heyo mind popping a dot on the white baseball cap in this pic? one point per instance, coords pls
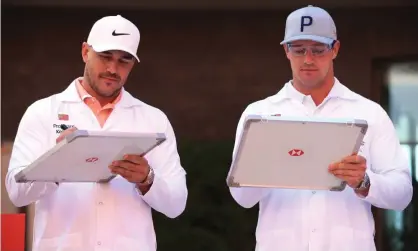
(114, 33)
(310, 23)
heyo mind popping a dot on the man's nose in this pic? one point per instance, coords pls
(112, 67)
(308, 57)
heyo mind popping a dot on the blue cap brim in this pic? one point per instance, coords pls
(319, 39)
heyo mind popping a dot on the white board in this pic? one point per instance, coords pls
(84, 156)
(286, 152)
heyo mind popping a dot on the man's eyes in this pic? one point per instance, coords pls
(124, 60)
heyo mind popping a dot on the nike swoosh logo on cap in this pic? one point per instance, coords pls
(119, 34)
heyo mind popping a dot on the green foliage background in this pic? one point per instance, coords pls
(212, 219)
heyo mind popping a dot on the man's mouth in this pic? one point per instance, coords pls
(111, 79)
(309, 69)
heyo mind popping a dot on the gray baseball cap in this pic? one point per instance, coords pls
(310, 23)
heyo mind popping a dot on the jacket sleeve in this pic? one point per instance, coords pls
(30, 143)
(245, 196)
(389, 172)
(168, 193)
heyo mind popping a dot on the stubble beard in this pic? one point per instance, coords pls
(95, 87)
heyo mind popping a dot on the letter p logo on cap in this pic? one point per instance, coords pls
(305, 21)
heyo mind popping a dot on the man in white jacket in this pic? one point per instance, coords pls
(379, 175)
(91, 216)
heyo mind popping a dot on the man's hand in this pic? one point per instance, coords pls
(134, 168)
(64, 133)
(351, 169)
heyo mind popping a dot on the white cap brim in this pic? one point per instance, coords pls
(113, 48)
(319, 39)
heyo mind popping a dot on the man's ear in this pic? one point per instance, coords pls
(286, 50)
(336, 49)
(85, 51)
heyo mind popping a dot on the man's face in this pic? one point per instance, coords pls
(311, 62)
(106, 72)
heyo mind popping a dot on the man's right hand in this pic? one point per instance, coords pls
(64, 133)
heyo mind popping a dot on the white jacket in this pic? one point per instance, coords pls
(90, 216)
(303, 220)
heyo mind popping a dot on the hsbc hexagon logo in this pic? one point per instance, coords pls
(92, 159)
(296, 152)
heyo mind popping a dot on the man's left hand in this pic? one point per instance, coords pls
(134, 168)
(351, 169)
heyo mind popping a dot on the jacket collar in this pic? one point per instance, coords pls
(71, 95)
(289, 92)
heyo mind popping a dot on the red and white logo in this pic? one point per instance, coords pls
(64, 117)
(296, 152)
(92, 159)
